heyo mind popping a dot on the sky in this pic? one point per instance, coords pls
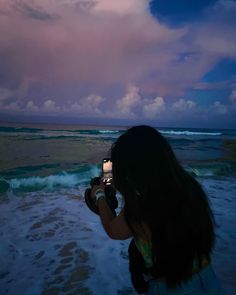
(126, 62)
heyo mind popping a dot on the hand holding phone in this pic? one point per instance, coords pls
(107, 171)
(104, 182)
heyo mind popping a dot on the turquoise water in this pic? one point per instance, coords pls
(64, 156)
(44, 170)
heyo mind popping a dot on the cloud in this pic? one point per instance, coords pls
(68, 49)
(232, 96)
(50, 106)
(216, 33)
(121, 6)
(126, 105)
(132, 106)
(5, 93)
(219, 108)
(82, 49)
(31, 106)
(153, 108)
(12, 107)
(225, 5)
(34, 11)
(93, 100)
(89, 105)
(183, 105)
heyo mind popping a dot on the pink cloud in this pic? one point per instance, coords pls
(95, 47)
(70, 48)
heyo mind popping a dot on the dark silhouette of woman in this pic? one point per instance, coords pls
(166, 212)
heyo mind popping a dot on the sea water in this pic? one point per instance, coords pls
(51, 243)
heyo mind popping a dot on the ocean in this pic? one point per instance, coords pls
(51, 243)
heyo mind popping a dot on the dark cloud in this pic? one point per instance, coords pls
(85, 5)
(35, 12)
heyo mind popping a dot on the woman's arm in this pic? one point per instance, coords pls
(116, 227)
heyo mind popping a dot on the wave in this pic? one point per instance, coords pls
(109, 131)
(57, 133)
(50, 182)
(30, 130)
(197, 172)
(213, 169)
(36, 183)
(89, 131)
(39, 134)
(98, 133)
(82, 177)
(75, 137)
(48, 137)
(190, 133)
(19, 129)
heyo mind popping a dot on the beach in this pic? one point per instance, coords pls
(51, 243)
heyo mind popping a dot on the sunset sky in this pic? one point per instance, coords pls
(160, 62)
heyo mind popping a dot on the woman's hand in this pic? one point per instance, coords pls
(97, 191)
(95, 188)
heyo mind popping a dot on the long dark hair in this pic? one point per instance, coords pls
(159, 193)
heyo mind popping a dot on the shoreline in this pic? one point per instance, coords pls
(83, 126)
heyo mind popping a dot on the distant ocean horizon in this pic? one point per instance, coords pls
(203, 151)
(104, 124)
(46, 226)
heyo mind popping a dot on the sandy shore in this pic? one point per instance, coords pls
(54, 245)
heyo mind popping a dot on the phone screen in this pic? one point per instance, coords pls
(107, 171)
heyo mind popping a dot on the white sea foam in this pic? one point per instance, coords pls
(108, 131)
(202, 172)
(63, 180)
(43, 224)
(49, 182)
(190, 133)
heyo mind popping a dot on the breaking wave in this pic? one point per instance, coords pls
(190, 133)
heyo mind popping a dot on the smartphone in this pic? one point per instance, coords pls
(107, 171)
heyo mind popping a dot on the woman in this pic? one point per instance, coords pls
(165, 210)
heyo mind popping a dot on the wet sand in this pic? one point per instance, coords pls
(53, 245)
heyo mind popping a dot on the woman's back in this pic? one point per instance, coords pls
(204, 282)
(165, 207)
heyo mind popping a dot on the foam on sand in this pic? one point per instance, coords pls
(53, 244)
